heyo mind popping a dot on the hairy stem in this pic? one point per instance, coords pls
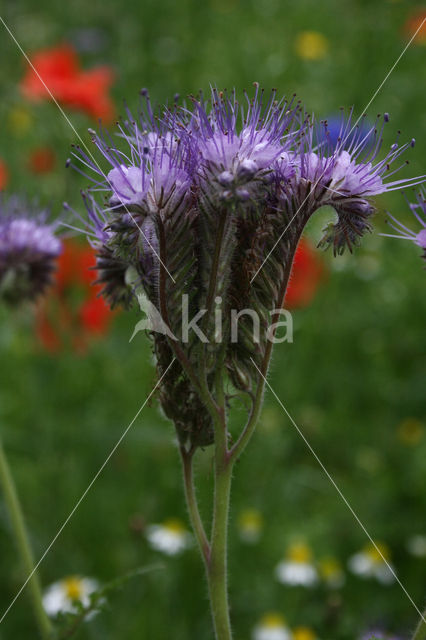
(23, 545)
(420, 632)
(217, 567)
(191, 501)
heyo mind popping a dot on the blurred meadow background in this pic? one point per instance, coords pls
(353, 379)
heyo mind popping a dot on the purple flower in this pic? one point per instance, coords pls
(418, 237)
(345, 177)
(28, 252)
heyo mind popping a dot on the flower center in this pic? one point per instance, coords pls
(73, 588)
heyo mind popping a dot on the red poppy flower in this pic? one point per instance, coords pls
(74, 313)
(55, 72)
(306, 275)
(42, 160)
(4, 175)
(416, 21)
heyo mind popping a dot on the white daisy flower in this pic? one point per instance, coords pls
(250, 525)
(416, 545)
(63, 596)
(170, 538)
(271, 627)
(331, 572)
(373, 562)
(297, 567)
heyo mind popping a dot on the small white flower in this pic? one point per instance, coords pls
(297, 568)
(170, 538)
(373, 562)
(271, 627)
(250, 525)
(416, 545)
(62, 596)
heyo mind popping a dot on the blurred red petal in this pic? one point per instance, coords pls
(307, 273)
(95, 315)
(42, 160)
(4, 175)
(59, 69)
(416, 22)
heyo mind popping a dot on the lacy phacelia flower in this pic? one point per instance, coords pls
(65, 596)
(250, 525)
(373, 562)
(343, 176)
(205, 204)
(28, 252)
(297, 569)
(418, 237)
(271, 627)
(171, 537)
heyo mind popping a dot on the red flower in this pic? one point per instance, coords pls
(4, 175)
(55, 72)
(42, 160)
(306, 275)
(74, 312)
(416, 20)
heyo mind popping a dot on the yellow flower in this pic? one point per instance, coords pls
(299, 552)
(311, 45)
(250, 525)
(20, 120)
(303, 633)
(331, 572)
(411, 431)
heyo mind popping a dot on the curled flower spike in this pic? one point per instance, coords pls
(28, 252)
(418, 209)
(205, 203)
(344, 173)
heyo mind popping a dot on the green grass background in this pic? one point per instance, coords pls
(356, 368)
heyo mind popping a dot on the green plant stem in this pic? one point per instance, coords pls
(217, 567)
(191, 501)
(22, 542)
(420, 632)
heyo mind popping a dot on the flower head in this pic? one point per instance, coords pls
(250, 525)
(373, 562)
(28, 252)
(418, 209)
(297, 568)
(65, 595)
(272, 626)
(331, 572)
(171, 537)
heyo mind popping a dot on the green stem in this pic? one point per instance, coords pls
(22, 542)
(217, 567)
(191, 501)
(420, 632)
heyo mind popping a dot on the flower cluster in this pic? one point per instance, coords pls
(206, 202)
(28, 252)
